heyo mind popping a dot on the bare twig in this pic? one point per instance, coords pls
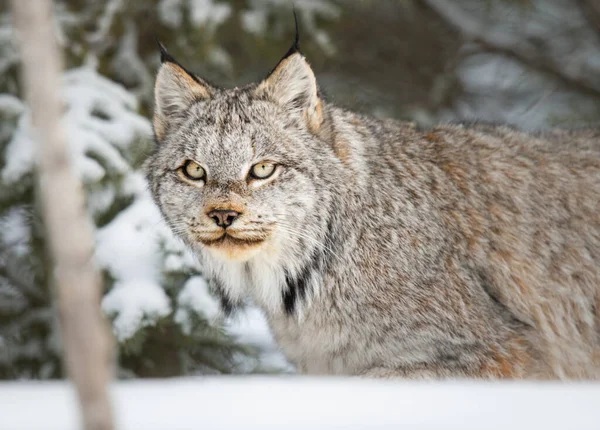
(505, 44)
(105, 21)
(70, 240)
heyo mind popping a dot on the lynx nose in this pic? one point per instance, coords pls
(223, 217)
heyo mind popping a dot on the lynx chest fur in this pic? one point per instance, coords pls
(377, 249)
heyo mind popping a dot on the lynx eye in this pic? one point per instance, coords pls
(193, 170)
(262, 170)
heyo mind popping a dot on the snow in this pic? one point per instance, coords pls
(310, 403)
(195, 296)
(99, 119)
(521, 96)
(19, 152)
(204, 12)
(104, 108)
(11, 104)
(125, 246)
(254, 21)
(250, 327)
(106, 20)
(128, 249)
(170, 12)
(14, 226)
(507, 91)
(136, 304)
(103, 198)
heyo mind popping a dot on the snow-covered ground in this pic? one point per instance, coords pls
(308, 403)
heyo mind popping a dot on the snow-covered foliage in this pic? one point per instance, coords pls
(533, 64)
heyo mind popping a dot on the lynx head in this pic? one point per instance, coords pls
(240, 171)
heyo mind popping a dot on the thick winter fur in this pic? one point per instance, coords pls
(377, 249)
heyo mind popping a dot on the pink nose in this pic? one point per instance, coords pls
(223, 217)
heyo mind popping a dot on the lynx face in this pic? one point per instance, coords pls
(235, 171)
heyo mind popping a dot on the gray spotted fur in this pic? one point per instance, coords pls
(462, 251)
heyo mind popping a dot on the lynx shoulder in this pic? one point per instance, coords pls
(376, 248)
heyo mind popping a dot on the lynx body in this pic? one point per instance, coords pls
(377, 249)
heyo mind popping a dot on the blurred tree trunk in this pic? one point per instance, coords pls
(84, 332)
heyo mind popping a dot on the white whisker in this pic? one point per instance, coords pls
(300, 234)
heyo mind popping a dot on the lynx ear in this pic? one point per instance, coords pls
(175, 91)
(292, 85)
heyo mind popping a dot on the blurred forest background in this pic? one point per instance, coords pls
(531, 63)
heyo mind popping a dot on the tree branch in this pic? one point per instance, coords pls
(70, 240)
(505, 44)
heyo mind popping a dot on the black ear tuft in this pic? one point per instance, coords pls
(297, 37)
(293, 86)
(175, 90)
(296, 46)
(165, 57)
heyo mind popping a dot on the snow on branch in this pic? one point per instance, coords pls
(509, 45)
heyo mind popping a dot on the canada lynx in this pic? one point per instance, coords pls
(377, 249)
